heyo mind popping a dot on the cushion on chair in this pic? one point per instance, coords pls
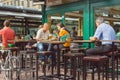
(95, 58)
(12, 48)
(45, 52)
(110, 53)
(74, 55)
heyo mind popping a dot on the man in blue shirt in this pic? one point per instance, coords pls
(103, 32)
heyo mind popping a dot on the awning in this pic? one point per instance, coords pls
(16, 14)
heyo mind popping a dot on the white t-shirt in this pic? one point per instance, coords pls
(42, 35)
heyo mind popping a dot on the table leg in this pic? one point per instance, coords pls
(37, 66)
(113, 63)
(58, 61)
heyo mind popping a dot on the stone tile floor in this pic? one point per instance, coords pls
(28, 76)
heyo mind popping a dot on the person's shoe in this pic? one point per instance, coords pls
(41, 62)
(49, 61)
(91, 70)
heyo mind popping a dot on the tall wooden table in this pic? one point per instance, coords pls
(58, 56)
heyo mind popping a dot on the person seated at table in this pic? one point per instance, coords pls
(28, 37)
(118, 34)
(8, 34)
(73, 33)
(43, 34)
(64, 36)
(103, 32)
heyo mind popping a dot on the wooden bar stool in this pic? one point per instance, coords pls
(100, 62)
(78, 50)
(17, 68)
(64, 51)
(27, 49)
(14, 50)
(47, 55)
(29, 62)
(74, 62)
(73, 50)
(116, 56)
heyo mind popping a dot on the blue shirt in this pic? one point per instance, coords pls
(105, 32)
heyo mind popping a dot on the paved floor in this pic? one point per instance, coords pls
(28, 76)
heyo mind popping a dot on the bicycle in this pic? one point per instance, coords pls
(10, 65)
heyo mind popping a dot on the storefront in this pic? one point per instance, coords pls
(82, 14)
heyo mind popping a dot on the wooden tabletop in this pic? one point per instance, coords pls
(25, 41)
(87, 41)
(81, 41)
(52, 42)
(74, 41)
(115, 41)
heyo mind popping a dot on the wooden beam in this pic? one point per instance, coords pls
(64, 1)
(111, 19)
(73, 14)
(114, 11)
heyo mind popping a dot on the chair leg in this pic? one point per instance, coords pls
(107, 67)
(84, 70)
(73, 68)
(99, 66)
(65, 67)
(93, 72)
(117, 67)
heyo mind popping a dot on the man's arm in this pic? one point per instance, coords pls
(38, 38)
(97, 34)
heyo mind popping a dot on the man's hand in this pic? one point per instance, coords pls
(39, 39)
(93, 39)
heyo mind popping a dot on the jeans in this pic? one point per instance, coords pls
(43, 47)
(100, 50)
(55, 49)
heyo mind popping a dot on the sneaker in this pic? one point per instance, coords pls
(91, 70)
(41, 62)
(49, 60)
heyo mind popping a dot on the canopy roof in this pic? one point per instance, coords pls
(19, 11)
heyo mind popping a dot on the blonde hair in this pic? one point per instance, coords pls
(40, 26)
